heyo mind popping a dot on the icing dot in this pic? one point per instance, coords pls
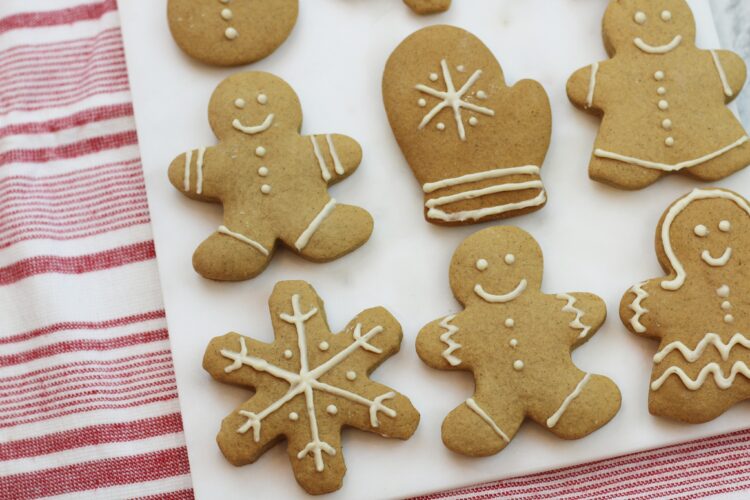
(226, 14)
(663, 105)
(332, 410)
(323, 346)
(262, 99)
(460, 68)
(224, 1)
(518, 365)
(422, 103)
(263, 171)
(482, 94)
(510, 323)
(701, 230)
(513, 342)
(659, 75)
(239, 103)
(669, 141)
(350, 375)
(661, 91)
(728, 318)
(640, 17)
(723, 291)
(667, 124)
(726, 305)
(441, 126)
(265, 189)
(510, 259)
(433, 77)
(293, 416)
(725, 226)
(473, 121)
(231, 33)
(260, 151)
(288, 354)
(482, 264)
(666, 16)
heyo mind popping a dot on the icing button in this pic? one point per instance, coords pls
(293, 416)
(231, 33)
(513, 343)
(510, 323)
(350, 375)
(265, 189)
(728, 318)
(263, 171)
(332, 410)
(518, 365)
(260, 151)
(669, 141)
(288, 354)
(323, 346)
(659, 76)
(663, 105)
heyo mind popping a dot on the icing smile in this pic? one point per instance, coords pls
(256, 129)
(499, 299)
(717, 261)
(658, 49)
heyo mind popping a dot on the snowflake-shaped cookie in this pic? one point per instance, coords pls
(309, 384)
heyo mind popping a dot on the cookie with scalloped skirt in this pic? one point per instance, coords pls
(309, 384)
(517, 343)
(663, 101)
(699, 311)
(423, 7)
(231, 32)
(475, 145)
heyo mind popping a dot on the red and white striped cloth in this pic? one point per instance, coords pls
(88, 398)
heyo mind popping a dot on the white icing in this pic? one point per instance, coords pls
(231, 33)
(482, 95)
(473, 121)
(240, 103)
(555, 418)
(422, 102)
(714, 261)
(480, 176)
(637, 307)
(669, 142)
(226, 14)
(262, 99)
(722, 382)
(294, 416)
(518, 365)
(500, 299)
(711, 339)
(255, 129)
(472, 404)
(640, 17)
(513, 342)
(667, 124)
(244, 239)
(663, 105)
(666, 16)
(723, 291)
(726, 305)
(725, 226)
(658, 49)
(260, 151)
(434, 77)
(728, 319)
(677, 208)
(265, 189)
(324, 172)
(569, 307)
(440, 126)
(447, 339)
(510, 323)
(288, 354)
(438, 214)
(324, 346)
(701, 231)
(332, 410)
(722, 75)
(186, 178)
(350, 375)
(510, 259)
(308, 233)
(592, 85)
(659, 76)
(665, 166)
(452, 98)
(460, 68)
(661, 91)
(337, 166)
(478, 193)
(482, 264)
(263, 171)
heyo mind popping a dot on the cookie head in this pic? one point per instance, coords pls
(496, 265)
(648, 26)
(706, 233)
(253, 104)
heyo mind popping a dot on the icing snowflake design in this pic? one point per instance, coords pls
(452, 98)
(306, 382)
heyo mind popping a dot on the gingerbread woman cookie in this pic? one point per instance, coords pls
(428, 6)
(231, 32)
(309, 384)
(475, 145)
(517, 342)
(661, 99)
(272, 181)
(699, 311)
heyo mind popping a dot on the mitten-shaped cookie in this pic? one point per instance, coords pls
(272, 181)
(309, 384)
(475, 145)
(428, 6)
(700, 312)
(231, 32)
(661, 99)
(517, 342)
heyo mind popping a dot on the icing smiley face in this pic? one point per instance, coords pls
(702, 231)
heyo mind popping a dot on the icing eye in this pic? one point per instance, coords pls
(240, 103)
(666, 16)
(640, 17)
(482, 264)
(725, 226)
(262, 99)
(701, 231)
(510, 259)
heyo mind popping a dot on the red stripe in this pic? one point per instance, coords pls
(128, 191)
(71, 177)
(86, 12)
(85, 147)
(175, 495)
(90, 436)
(44, 86)
(66, 218)
(23, 52)
(67, 73)
(96, 232)
(98, 474)
(78, 192)
(79, 119)
(90, 91)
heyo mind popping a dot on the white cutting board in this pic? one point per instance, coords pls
(334, 59)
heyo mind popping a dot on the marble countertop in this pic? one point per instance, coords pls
(732, 20)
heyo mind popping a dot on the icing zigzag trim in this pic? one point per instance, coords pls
(722, 382)
(637, 308)
(447, 340)
(710, 339)
(570, 308)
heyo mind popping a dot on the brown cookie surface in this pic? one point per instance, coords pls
(517, 343)
(428, 6)
(309, 384)
(272, 182)
(231, 32)
(698, 311)
(475, 145)
(662, 100)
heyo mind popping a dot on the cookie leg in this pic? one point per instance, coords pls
(481, 426)
(232, 256)
(622, 175)
(722, 166)
(336, 231)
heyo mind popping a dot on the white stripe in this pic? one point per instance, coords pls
(321, 161)
(67, 165)
(481, 176)
(336, 161)
(58, 33)
(435, 213)
(133, 490)
(552, 421)
(308, 233)
(592, 85)
(722, 74)
(199, 169)
(478, 193)
(484, 416)
(186, 177)
(244, 239)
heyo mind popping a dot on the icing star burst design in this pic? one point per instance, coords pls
(452, 98)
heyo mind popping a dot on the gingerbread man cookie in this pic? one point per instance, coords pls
(309, 384)
(475, 145)
(661, 99)
(517, 342)
(428, 6)
(231, 32)
(699, 312)
(272, 181)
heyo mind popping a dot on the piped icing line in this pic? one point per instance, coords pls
(601, 153)
(717, 261)
(674, 211)
(324, 172)
(244, 239)
(569, 307)
(308, 233)
(658, 49)
(637, 307)
(186, 177)
(722, 382)
(435, 213)
(500, 299)
(473, 406)
(481, 176)
(555, 418)
(446, 338)
(711, 339)
(722, 74)
(592, 85)
(337, 166)
(255, 129)
(478, 193)
(199, 169)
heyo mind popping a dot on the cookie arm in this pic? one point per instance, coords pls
(337, 156)
(583, 89)
(732, 72)
(438, 346)
(635, 313)
(190, 174)
(585, 312)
